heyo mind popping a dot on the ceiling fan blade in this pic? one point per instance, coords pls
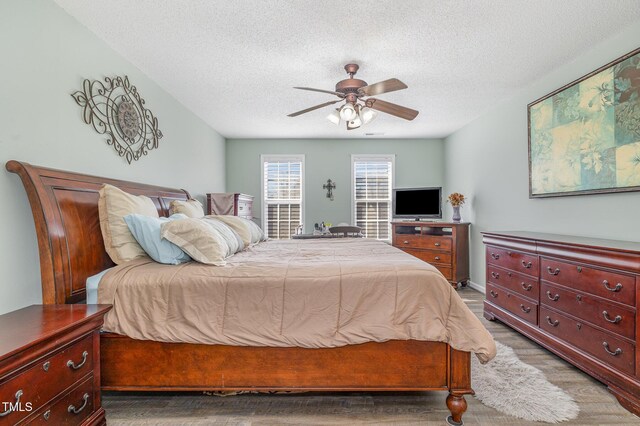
(393, 109)
(331, 92)
(304, 111)
(386, 86)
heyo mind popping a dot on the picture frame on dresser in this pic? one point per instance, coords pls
(577, 297)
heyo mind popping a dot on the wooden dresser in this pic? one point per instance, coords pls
(443, 244)
(50, 365)
(230, 203)
(577, 297)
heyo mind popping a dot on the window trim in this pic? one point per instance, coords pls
(281, 157)
(372, 157)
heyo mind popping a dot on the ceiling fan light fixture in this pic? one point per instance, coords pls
(367, 115)
(334, 117)
(354, 124)
(348, 112)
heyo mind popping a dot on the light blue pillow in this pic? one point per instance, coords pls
(146, 231)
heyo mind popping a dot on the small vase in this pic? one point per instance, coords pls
(456, 214)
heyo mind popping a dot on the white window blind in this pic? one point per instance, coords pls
(372, 183)
(282, 194)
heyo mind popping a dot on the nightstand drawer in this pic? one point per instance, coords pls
(70, 409)
(48, 377)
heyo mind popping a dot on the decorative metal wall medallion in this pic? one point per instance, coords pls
(115, 109)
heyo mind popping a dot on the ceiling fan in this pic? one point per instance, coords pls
(359, 108)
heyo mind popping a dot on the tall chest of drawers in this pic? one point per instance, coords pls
(443, 244)
(578, 297)
(230, 203)
(50, 365)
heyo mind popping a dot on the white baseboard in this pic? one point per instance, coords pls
(477, 287)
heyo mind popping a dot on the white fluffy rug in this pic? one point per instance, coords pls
(520, 390)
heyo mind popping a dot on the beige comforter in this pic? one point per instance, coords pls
(308, 293)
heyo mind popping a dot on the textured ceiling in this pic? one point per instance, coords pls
(234, 63)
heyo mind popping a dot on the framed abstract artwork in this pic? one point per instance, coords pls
(584, 138)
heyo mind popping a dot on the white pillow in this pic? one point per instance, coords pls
(230, 236)
(198, 239)
(257, 234)
(113, 205)
(191, 208)
(239, 225)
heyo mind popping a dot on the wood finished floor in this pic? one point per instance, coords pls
(597, 405)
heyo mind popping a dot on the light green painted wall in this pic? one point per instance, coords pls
(487, 161)
(46, 54)
(419, 162)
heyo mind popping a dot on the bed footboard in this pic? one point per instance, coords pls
(140, 365)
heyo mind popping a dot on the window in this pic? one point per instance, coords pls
(282, 194)
(372, 180)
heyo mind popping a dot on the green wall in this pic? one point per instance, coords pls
(419, 162)
(46, 54)
(487, 161)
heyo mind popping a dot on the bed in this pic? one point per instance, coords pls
(65, 210)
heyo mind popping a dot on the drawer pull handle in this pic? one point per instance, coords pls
(437, 258)
(495, 256)
(493, 293)
(579, 268)
(616, 320)
(437, 244)
(554, 298)
(606, 348)
(579, 326)
(526, 310)
(72, 408)
(579, 298)
(525, 286)
(47, 414)
(553, 271)
(73, 366)
(17, 404)
(46, 366)
(405, 242)
(553, 323)
(526, 265)
(495, 275)
(616, 289)
(509, 274)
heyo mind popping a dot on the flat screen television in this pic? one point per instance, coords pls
(417, 203)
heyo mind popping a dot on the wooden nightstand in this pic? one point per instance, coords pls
(50, 365)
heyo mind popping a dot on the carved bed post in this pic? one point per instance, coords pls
(457, 405)
(459, 385)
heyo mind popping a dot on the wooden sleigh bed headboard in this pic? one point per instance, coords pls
(65, 211)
